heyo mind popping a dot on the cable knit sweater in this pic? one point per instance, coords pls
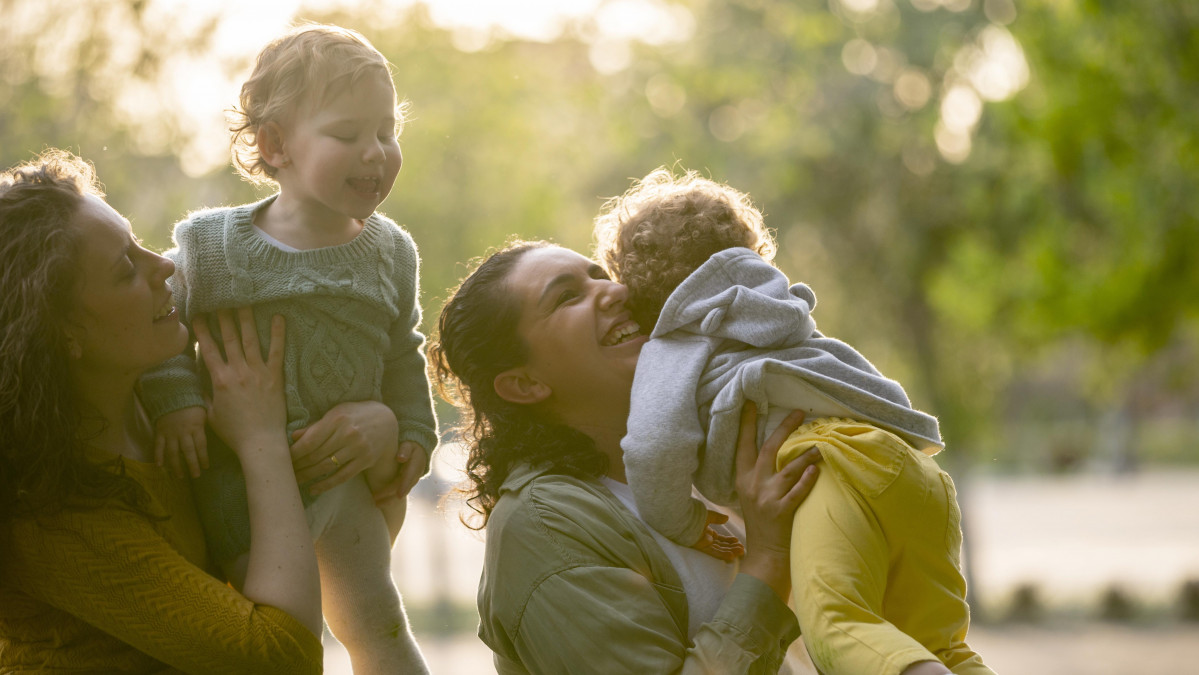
(107, 590)
(351, 314)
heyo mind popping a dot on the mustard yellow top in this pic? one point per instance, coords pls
(109, 590)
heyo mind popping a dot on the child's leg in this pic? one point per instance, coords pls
(840, 567)
(360, 602)
(394, 510)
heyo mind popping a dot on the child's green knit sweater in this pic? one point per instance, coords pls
(351, 314)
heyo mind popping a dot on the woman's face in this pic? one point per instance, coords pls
(583, 344)
(124, 320)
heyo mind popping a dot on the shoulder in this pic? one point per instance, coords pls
(391, 230)
(549, 523)
(212, 221)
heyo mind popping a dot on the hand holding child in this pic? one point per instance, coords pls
(349, 439)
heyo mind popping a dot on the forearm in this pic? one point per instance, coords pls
(282, 569)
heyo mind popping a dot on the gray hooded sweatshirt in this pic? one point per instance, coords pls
(736, 330)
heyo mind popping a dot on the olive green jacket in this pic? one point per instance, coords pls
(573, 582)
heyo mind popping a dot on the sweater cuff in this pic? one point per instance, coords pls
(157, 407)
(773, 625)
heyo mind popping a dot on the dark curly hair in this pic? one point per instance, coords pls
(42, 463)
(666, 226)
(476, 340)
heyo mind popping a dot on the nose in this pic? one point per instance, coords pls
(374, 152)
(163, 268)
(611, 294)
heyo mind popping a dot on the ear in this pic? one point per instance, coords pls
(516, 385)
(271, 146)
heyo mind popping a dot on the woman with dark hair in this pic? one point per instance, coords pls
(104, 567)
(538, 350)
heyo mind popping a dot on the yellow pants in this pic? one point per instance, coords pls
(876, 555)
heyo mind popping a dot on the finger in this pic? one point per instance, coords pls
(768, 453)
(410, 474)
(717, 518)
(392, 489)
(160, 445)
(345, 473)
(233, 350)
(188, 448)
(249, 336)
(172, 454)
(802, 488)
(274, 358)
(307, 451)
(775, 441)
(201, 443)
(205, 341)
(747, 450)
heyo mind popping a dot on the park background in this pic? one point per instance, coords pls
(994, 200)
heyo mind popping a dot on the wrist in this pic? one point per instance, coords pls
(772, 568)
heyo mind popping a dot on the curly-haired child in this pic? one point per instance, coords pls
(875, 548)
(318, 118)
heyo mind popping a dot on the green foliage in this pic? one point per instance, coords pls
(1072, 217)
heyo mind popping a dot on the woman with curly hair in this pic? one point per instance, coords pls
(538, 349)
(879, 587)
(104, 566)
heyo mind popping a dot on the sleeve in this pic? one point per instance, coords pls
(111, 569)
(405, 382)
(661, 447)
(175, 383)
(613, 620)
(839, 563)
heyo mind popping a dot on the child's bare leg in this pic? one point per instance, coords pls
(360, 602)
(394, 510)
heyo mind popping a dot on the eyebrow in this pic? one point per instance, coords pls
(120, 257)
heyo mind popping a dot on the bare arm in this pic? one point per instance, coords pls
(248, 411)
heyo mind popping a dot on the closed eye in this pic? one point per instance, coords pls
(566, 296)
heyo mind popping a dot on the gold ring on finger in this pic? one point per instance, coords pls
(333, 458)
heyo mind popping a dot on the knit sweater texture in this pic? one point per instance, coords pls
(737, 330)
(108, 590)
(351, 312)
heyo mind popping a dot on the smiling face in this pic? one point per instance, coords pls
(582, 343)
(123, 321)
(341, 155)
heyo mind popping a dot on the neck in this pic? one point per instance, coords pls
(607, 441)
(305, 226)
(113, 420)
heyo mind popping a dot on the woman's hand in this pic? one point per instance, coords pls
(350, 438)
(248, 411)
(769, 498)
(247, 403)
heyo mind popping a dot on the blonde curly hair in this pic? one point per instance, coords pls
(666, 226)
(304, 66)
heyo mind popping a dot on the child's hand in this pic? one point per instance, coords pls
(720, 546)
(415, 460)
(397, 480)
(181, 434)
(349, 439)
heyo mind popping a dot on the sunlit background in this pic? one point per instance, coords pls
(993, 200)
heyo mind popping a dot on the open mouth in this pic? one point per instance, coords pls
(620, 333)
(366, 186)
(167, 309)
